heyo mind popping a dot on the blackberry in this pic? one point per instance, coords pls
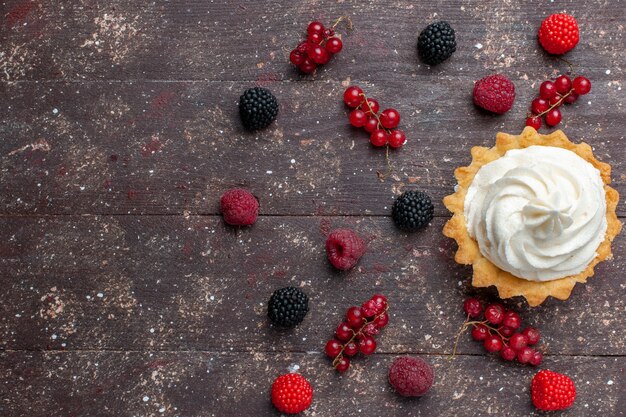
(258, 108)
(412, 210)
(436, 43)
(287, 307)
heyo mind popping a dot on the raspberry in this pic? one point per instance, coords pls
(344, 248)
(558, 34)
(239, 207)
(411, 376)
(291, 393)
(495, 93)
(552, 391)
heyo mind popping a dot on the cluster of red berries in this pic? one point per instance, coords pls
(498, 332)
(318, 48)
(379, 126)
(551, 95)
(356, 333)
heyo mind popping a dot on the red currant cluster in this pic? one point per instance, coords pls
(498, 332)
(318, 48)
(356, 333)
(379, 126)
(552, 95)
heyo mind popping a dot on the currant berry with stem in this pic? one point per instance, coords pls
(511, 320)
(358, 118)
(507, 353)
(353, 96)
(334, 45)
(351, 348)
(397, 139)
(355, 317)
(381, 320)
(307, 65)
(342, 364)
(390, 118)
(494, 313)
(581, 85)
(506, 331)
(379, 138)
(539, 105)
(534, 122)
(533, 335)
(553, 117)
(480, 333)
(563, 84)
(536, 359)
(371, 124)
(372, 107)
(296, 57)
(525, 354)
(518, 341)
(367, 345)
(316, 27)
(493, 343)
(333, 348)
(571, 98)
(473, 308)
(547, 90)
(344, 332)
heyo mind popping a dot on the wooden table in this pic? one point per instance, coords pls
(125, 294)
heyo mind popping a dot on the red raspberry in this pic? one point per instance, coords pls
(552, 391)
(291, 393)
(239, 207)
(558, 33)
(495, 93)
(411, 376)
(344, 248)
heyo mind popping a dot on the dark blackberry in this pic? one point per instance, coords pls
(412, 210)
(258, 108)
(287, 307)
(436, 43)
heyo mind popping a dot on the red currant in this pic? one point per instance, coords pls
(534, 122)
(354, 317)
(536, 359)
(472, 307)
(390, 118)
(494, 313)
(373, 105)
(315, 27)
(333, 348)
(381, 321)
(539, 105)
(547, 90)
(480, 333)
(506, 331)
(319, 55)
(581, 85)
(352, 96)
(533, 335)
(571, 98)
(555, 101)
(507, 353)
(379, 138)
(511, 319)
(329, 32)
(344, 332)
(397, 139)
(524, 355)
(563, 84)
(358, 118)
(518, 341)
(371, 125)
(553, 117)
(351, 349)
(303, 47)
(343, 364)
(307, 65)
(334, 45)
(493, 343)
(367, 345)
(381, 302)
(296, 57)
(315, 38)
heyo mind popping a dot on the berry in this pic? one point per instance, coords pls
(480, 333)
(296, 57)
(258, 108)
(307, 66)
(367, 345)
(518, 341)
(524, 355)
(412, 210)
(342, 364)
(315, 38)
(493, 343)
(563, 84)
(581, 85)
(353, 96)
(472, 307)
(333, 348)
(371, 125)
(507, 353)
(373, 107)
(539, 105)
(553, 117)
(410, 376)
(536, 359)
(344, 248)
(506, 331)
(555, 101)
(397, 139)
(558, 34)
(532, 335)
(495, 93)
(302, 47)
(547, 90)
(381, 302)
(351, 349)
(358, 118)
(381, 321)
(355, 317)
(494, 313)
(329, 32)
(370, 308)
(379, 138)
(315, 27)
(334, 45)
(390, 118)
(344, 332)
(511, 319)
(534, 122)
(287, 307)
(291, 394)
(571, 98)
(239, 207)
(552, 391)
(319, 54)
(436, 43)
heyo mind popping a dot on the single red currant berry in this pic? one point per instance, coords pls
(553, 117)
(296, 57)
(303, 47)
(351, 349)
(352, 96)
(315, 27)
(358, 118)
(581, 85)
(518, 341)
(533, 335)
(354, 317)
(381, 321)
(397, 139)
(342, 364)
(381, 302)
(334, 45)
(511, 319)
(371, 125)
(480, 333)
(555, 101)
(494, 313)
(343, 332)
(329, 32)
(367, 345)
(333, 348)
(571, 98)
(390, 118)
(536, 359)
(493, 343)
(563, 84)
(547, 90)
(506, 331)
(370, 308)
(507, 353)
(315, 38)
(524, 355)
(539, 105)
(534, 122)
(373, 105)
(307, 65)
(379, 138)
(472, 307)
(319, 55)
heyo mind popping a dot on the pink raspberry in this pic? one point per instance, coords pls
(411, 376)
(495, 93)
(239, 207)
(344, 248)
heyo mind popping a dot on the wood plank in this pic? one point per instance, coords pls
(225, 384)
(169, 282)
(162, 148)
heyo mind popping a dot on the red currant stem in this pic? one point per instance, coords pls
(468, 323)
(458, 336)
(350, 26)
(380, 125)
(557, 104)
(572, 67)
(354, 334)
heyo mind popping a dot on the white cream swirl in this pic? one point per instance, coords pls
(538, 212)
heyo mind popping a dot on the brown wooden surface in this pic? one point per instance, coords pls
(124, 294)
